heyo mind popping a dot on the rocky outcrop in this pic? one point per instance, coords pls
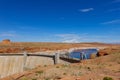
(102, 53)
(6, 41)
(108, 51)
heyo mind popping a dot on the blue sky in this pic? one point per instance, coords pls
(60, 20)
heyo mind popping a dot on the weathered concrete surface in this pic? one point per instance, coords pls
(11, 64)
(34, 61)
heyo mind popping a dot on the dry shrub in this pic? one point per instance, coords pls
(92, 56)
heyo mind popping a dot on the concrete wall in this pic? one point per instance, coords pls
(11, 64)
(34, 61)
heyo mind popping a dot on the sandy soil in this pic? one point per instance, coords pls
(108, 65)
(17, 47)
(93, 69)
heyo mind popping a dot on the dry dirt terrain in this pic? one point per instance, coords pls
(105, 67)
(17, 47)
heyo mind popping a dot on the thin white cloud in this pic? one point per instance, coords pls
(117, 21)
(115, 1)
(86, 10)
(8, 34)
(71, 41)
(112, 2)
(75, 38)
(69, 38)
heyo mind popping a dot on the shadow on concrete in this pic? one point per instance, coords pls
(70, 60)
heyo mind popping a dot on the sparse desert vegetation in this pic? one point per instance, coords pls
(17, 47)
(101, 68)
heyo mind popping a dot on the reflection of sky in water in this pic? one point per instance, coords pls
(76, 54)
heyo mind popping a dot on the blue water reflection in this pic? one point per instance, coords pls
(76, 53)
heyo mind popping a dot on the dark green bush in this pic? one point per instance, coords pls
(39, 72)
(107, 78)
(34, 79)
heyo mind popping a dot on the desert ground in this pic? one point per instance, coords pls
(101, 68)
(18, 47)
(104, 67)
